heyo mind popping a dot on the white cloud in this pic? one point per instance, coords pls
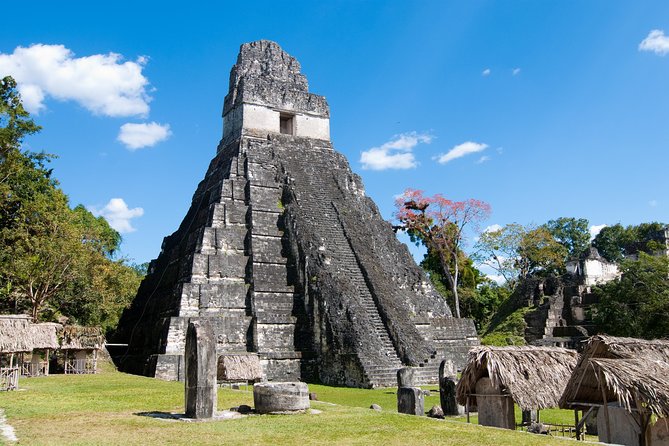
(594, 230)
(516, 71)
(486, 72)
(460, 150)
(483, 159)
(655, 42)
(101, 83)
(396, 153)
(493, 228)
(117, 213)
(137, 136)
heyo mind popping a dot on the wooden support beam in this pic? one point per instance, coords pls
(602, 384)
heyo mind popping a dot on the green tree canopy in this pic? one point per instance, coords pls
(517, 251)
(572, 233)
(54, 261)
(616, 242)
(636, 305)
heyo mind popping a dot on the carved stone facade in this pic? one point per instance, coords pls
(285, 255)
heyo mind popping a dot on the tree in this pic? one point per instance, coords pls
(617, 242)
(15, 121)
(637, 304)
(539, 252)
(572, 233)
(53, 260)
(611, 242)
(499, 250)
(439, 223)
(517, 251)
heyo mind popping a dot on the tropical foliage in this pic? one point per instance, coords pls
(54, 261)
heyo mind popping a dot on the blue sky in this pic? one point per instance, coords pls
(557, 106)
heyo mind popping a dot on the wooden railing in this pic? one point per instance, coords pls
(9, 378)
(80, 366)
(35, 368)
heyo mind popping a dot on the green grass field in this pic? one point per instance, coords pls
(104, 409)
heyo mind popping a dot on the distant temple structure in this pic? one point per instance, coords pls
(286, 256)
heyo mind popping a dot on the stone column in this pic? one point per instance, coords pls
(201, 367)
(494, 408)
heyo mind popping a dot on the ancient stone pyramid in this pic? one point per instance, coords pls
(285, 255)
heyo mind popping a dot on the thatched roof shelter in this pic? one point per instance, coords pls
(15, 334)
(75, 337)
(634, 372)
(534, 376)
(45, 335)
(239, 367)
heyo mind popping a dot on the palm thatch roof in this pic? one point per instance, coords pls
(75, 337)
(45, 335)
(239, 367)
(15, 334)
(534, 376)
(634, 372)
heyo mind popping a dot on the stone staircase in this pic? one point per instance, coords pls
(313, 197)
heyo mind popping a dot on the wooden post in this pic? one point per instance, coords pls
(467, 408)
(46, 358)
(602, 383)
(576, 424)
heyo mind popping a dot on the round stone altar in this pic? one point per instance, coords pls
(272, 397)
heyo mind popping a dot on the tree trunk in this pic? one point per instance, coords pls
(452, 281)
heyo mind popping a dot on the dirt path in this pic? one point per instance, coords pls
(6, 430)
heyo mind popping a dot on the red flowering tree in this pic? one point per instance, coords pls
(439, 223)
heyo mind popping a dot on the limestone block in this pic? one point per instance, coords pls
(216, 217)
(278, 369)
(201, 368)
(208, 241)
(410, 400)
(494, 407)
(271, 278)
(235, 213)
(280, 397)
(239, 189)
(274, 336)
(230, 238)
(231, 329)
(267, 223)
(265, 198)
(169, 367)
(262, 174)
(231, 265)
(406, 377)
(231, 294)
(200, 264)
(190, 298)
(268, 249)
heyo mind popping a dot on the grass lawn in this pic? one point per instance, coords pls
(103, 409)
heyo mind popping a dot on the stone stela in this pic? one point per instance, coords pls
(200, 382)
(286, 257)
